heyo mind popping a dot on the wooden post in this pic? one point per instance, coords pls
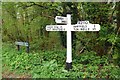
(28, 48)
(18, 47)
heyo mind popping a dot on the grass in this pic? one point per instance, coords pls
(51, 64)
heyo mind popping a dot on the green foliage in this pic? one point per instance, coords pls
(26, 21)
(50, 64)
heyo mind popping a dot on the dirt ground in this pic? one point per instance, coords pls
(14, 75)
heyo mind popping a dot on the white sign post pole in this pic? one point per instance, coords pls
(69, 44)
(80, 26)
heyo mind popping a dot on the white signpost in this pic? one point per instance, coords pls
(61, 20)
(56, 27)
(83, 22)
(80, 26)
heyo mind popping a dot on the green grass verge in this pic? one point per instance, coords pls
(51, 64)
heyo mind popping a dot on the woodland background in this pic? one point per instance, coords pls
(95, 54)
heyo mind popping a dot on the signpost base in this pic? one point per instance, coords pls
(68, 66)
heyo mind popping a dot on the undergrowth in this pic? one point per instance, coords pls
(51, 64)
